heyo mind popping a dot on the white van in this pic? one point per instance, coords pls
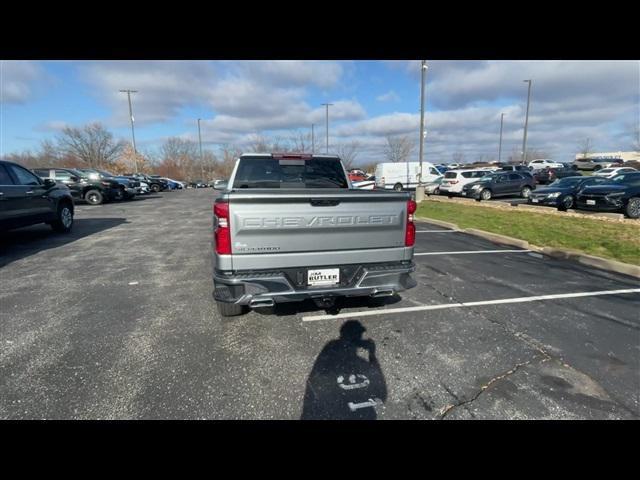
(404, 175)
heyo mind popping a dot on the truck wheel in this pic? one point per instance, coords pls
(632, 210)
(94, 197)
(155, 188)
(230, 309)
(397, 187)
(64, 218)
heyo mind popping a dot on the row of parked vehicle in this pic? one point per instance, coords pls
(617, 190)
(48, 194)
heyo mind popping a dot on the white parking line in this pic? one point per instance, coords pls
(537, 298)
(472, 251)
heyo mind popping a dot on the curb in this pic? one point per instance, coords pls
(440, 223)
(497, 238)
(562, 253)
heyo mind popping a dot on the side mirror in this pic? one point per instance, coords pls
(221, 185)
(49, 183)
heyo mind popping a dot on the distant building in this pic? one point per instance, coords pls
(625, 156)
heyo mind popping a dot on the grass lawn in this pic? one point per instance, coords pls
(618, 241)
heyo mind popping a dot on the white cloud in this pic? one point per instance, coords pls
(18, 80)
(390, 96)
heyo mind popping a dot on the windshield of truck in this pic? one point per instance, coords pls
(290, 173)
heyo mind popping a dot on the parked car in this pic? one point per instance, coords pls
(544, 163)
(154, 183)
(93, 191)
(612, 172)
(289, 228)
(597, 163)
(500, 184)
(515, 168)
(454, 180)
(545, 176)
(26, 199)
(618, 194)
(562, 192)
(198, 184)
(368, 184)
(129, 185)
(433, 188)
(404, 175)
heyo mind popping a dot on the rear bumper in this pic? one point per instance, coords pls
(242, 288)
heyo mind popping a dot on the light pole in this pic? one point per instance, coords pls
(201, 157)
(327, 105)
(133, 135)
(526, 124)
(420, 188)
(500, 144)
(313, 140)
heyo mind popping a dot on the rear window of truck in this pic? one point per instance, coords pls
(290, 173)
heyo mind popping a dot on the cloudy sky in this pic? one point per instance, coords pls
(570, 101)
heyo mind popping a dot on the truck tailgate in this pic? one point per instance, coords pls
(289, 221)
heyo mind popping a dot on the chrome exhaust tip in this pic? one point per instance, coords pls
(265, 302)
(383, 293)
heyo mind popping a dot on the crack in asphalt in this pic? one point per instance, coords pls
(444, 411)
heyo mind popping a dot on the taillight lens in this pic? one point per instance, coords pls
(222, 232)
(410, 232)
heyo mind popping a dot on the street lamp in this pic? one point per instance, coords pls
(201, 157)
(526, 123)
(133, 135)
(327, 105)
(420, 188)
(500, 144)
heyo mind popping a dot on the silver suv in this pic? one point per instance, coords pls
(596, 163)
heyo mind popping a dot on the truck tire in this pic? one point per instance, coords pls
(94, 197)
(397, 187)
(64, 218)
(230, 309)
(632, 210)
(155, 188)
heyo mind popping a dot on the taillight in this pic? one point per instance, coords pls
(222, 231)
(410, 233)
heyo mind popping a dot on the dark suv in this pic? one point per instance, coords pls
(129, 185)
(156, 184)
(619, 194)
(93, 191)
(26, 199)
(500, 184)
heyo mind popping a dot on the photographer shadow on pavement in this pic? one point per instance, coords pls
(346, 382)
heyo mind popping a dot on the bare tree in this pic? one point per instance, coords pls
(92, 144)
(398, 148)
(457, 157)
(259, 143)
(585, 147)
(348, 152)
(300, 141)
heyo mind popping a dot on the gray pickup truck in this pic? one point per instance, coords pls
(290, 227)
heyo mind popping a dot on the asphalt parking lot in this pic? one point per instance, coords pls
(116, 321)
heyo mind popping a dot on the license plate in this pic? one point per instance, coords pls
(534, 200)
(323, 277)
(591, 202)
